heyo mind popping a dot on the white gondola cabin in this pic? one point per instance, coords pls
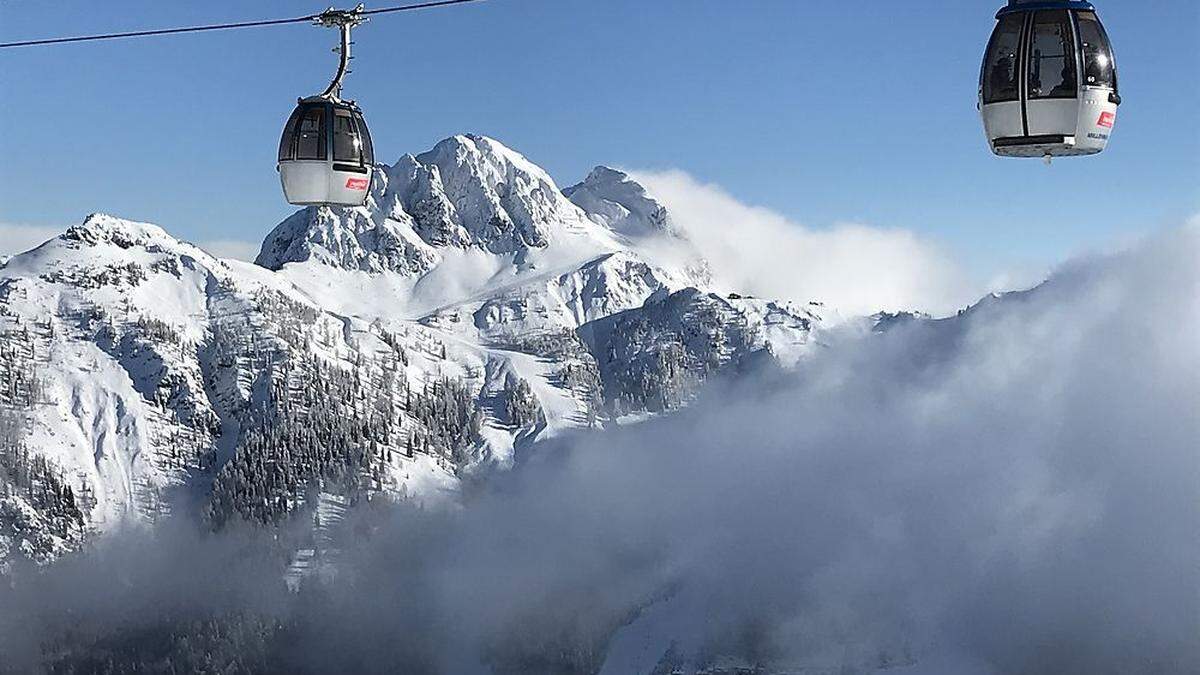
(1048, 86)
(325, 155)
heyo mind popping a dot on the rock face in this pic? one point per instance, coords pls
(613, 199)
(558, 302)
(473, 191)
(363, 239)
(469, 308)
(468, 192)
(653, 357)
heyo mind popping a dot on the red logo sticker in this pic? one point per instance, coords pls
(361, 183)
(1107, 119)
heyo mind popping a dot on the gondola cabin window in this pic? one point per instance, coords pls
(1000, 78)
(347, 147)
(311, 142)
(1052, 56)
(1098, 67)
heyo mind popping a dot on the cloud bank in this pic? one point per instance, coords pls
(855, 268)
(16, 239)
(1016, 489)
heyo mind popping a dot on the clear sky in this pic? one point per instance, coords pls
(823, 111)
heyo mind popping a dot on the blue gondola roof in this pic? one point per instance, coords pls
(1027, 5)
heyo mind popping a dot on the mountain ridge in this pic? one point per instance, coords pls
(421, 338)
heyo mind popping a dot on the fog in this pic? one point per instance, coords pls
(853, 268)
(1014, 490)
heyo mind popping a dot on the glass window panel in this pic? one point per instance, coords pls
(287, 144)
(1052, 56)
(1098, 70)
(364, 134)
(311, 141)
(346, 145)
(1000, 80)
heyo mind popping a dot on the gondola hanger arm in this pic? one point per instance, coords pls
(344, 20)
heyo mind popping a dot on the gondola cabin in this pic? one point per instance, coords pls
(325, 155)
(1048, 86)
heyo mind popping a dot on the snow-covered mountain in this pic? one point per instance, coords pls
(469, 308)
(613, 199)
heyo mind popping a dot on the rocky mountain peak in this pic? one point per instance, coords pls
(102, 228)
(468, 192)
(616, 201)
(475, 191)
(362, 239)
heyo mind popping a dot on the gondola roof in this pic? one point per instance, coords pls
(1025, 6)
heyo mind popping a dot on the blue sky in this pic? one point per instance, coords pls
(822, 111)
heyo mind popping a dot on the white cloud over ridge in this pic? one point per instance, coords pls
(857, 269)
(1012, 490)
(16, 239)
